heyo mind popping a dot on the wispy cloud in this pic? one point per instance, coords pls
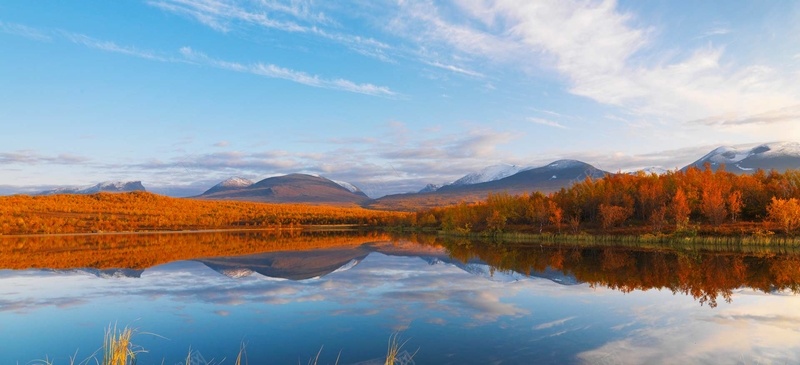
(788, 114)
(109, 46)
(559, 322)
(188, 55)
(457, 69)
(292, 17)
(24, 31)
(28, 157)
(546, 122)
(273, 71)
(715, 32)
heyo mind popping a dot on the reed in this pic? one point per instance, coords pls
(118, 348)
(393, 351)
(757, 241)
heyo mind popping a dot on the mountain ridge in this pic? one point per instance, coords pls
(103, 187)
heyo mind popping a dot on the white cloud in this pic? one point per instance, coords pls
(291, 17)
(109, 46)
(273, 71)
(457, 69)
(559, 322)
(546, 122)
(752, 331)
(598, 50)
(24, 31)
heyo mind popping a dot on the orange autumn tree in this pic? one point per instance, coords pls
(680, 209)
(785, 213)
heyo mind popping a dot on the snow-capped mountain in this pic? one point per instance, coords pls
(105, 187)
(658, 170)
(548, 178)
(487, 174)
(748, 158)
(491, 173)
(232, 183)
(430, 188)
(349, 186)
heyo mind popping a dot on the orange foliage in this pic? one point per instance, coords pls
(786, 213)
(139, 251)
(140, 211)
(706, 201)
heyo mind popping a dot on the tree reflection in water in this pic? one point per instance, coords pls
(705, 275)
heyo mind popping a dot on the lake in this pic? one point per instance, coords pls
(342, 295)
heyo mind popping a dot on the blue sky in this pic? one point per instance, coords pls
(390, 96)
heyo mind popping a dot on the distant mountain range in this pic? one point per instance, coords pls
(513, 179)
(549, 178)
(103, 187)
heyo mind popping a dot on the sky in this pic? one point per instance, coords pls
(387, 95)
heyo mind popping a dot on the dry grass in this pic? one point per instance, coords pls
(118, 348)
(393, 351)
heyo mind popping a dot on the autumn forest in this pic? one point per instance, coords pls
(691, 202)
(687, 202)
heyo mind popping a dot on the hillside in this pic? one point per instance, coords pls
(292, 188)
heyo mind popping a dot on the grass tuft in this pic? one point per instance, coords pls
(393, 351)
(118, 348)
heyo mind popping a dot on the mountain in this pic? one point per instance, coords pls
(549, 178)
(349, 186)
(749, 158)
(491, 173)
(293, 188)
(430, 188)
(232, 183)
(103, 187)
(658, 170)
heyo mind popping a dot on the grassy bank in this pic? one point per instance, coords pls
(677, 240)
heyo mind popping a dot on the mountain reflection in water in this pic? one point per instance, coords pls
(457, 302)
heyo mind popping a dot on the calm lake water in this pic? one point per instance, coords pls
(453, 302)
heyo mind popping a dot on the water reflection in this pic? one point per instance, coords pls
(456, 302)
(705, 275)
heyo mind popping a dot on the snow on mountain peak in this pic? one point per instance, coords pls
(430, 188)
(732, 155)
(352, 188)
(777, 148)
(491, 173)
(564, 164)
(106, 186)
(235, 182)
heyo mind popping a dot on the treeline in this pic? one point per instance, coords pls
(719, 202)
(141, 211)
